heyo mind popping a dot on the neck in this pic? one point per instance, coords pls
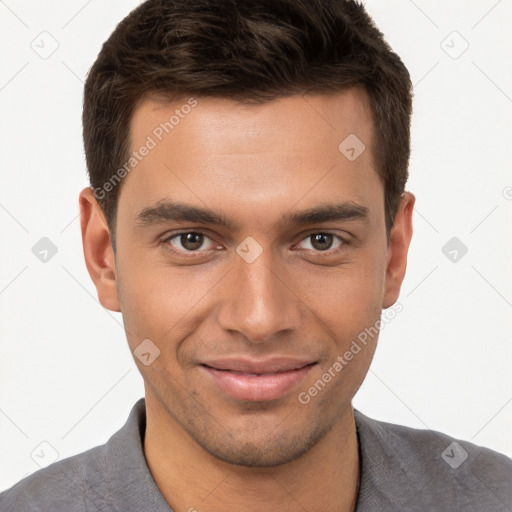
(190, 479)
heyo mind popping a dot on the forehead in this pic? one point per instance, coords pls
(280, 153)
(306, 118)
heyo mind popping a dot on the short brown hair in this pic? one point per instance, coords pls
(249, 51)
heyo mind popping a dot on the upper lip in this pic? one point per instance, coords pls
(270, 365)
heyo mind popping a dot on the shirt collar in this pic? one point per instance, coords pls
(127, 467)
(131, 480)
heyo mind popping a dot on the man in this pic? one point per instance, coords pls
(248, 217)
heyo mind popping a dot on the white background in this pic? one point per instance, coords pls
(67, 378)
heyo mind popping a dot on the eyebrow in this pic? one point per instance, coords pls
(165, 211)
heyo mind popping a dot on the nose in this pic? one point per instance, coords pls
(259, 301)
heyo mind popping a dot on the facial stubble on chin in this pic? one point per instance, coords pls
(257, 445)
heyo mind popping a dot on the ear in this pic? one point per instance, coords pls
(400, 238)
(98, 252)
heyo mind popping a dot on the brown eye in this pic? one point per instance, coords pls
(319, 242)
(188, 241)
(191, 241)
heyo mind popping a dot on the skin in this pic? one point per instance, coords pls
(206, 450)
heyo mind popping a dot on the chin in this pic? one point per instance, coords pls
(259, 449)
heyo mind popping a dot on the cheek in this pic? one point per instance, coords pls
(158, 302)
(348, 298)
(349, 309)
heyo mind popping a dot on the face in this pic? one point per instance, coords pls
(251, 252)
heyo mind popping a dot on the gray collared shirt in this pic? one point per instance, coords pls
(402, 469)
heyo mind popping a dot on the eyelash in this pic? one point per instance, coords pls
(193, 254)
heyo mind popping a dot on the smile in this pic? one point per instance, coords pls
(257, 386)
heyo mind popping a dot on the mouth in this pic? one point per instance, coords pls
(257, 381)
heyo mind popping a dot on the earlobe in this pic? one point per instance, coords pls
(98, 252)
(400, 239)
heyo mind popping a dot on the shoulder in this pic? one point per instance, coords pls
(421, 469)
(110, 477)
(69, 484)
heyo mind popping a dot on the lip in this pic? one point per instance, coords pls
(256, 381)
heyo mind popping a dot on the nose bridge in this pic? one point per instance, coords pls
(258, 303)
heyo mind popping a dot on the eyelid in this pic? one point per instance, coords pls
(167, 239)
(166, 242)
(344, 241)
